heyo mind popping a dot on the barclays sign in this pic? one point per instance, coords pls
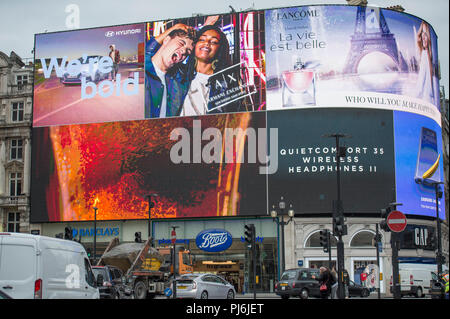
(214, 240)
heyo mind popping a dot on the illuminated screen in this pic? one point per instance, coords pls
(222, 115)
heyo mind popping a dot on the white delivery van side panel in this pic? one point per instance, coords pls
(58, 278)
(64, 270)
(18, 266)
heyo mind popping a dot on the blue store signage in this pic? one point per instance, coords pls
(214, 240)
(89, 232)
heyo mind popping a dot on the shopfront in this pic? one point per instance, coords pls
(213, 253)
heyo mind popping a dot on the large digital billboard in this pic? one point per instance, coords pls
(222, 115)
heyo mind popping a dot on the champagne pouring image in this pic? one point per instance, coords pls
(299, 84)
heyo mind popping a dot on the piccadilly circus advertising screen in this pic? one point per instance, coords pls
(222, 115)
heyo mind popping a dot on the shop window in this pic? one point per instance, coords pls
(363, 239)
(314, 240)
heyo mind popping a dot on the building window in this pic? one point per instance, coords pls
(22, 80)
(15, 184)
(13, 222)
(17, 112)
(363, 239)
(314, 240)
(16, 149)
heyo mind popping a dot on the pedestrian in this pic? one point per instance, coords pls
(334, 287)
(325, 281)
(346, 281)
(364, 278)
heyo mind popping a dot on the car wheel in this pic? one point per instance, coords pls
(419, 293)
(304, 294)
(140, 290)
(230, 294)
(204, 295)
(365, 293)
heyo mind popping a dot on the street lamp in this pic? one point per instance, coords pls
(338, 213)
(95, 233)
(151, 204)
(439, 259)
(274, 215)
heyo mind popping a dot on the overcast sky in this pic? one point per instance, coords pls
(21, 19)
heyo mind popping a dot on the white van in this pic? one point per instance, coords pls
(42, 267)
(415, 279)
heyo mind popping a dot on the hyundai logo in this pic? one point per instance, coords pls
(109, 34)
(214, 240)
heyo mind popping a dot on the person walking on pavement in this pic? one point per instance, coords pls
(346, 281)
(335, 285)
(326, 280)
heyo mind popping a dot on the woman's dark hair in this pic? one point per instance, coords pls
(222, 57)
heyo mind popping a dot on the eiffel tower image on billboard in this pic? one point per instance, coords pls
(378, 39)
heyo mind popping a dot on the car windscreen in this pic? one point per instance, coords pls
(101, 271)
(288, 275)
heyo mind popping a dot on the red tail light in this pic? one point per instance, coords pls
(411, 280)
(293, 285)
(390, 283)
(276, 285)
(38, 289)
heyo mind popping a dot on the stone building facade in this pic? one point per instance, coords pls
(16, 94)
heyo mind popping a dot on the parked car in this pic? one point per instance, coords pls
(40, 267)
(112, 287)
(298, 283)
(204, 286)
(85, 72)
(356, 290)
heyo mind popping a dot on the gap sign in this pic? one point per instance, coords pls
(396, 221)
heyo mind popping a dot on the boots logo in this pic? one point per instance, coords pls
(214, 240)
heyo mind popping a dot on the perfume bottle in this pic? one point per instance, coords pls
(299, 85)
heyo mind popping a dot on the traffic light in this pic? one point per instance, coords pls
(339, 227)
(89, 252)
(249, 232)
(68, 233)
(383, 223)
(138, 237)
(324, 240)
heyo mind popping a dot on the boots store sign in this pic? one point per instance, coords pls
(214, 240)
